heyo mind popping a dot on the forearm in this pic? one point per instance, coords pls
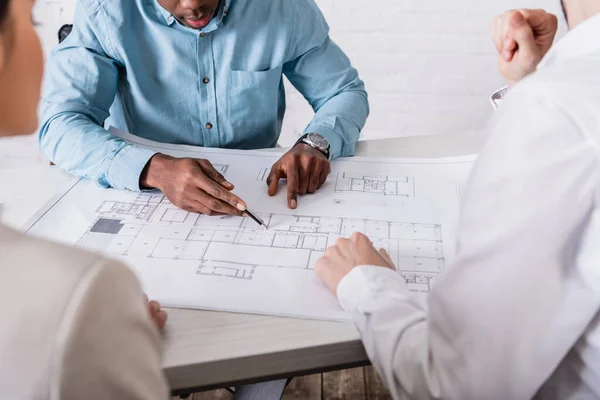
(80, 86)
(80, 146)
(450, 347)
(341, 120)
(393, 327)
(333, 88)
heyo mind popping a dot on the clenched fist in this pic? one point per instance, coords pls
(522, 38)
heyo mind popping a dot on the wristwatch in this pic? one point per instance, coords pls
(316, 141)
(498, 96)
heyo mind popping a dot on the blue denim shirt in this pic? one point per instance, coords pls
(130, 64)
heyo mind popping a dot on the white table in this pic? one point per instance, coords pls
(204, 349)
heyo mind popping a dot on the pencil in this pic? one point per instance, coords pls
(256, 219)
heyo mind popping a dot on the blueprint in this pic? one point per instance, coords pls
(407, 206)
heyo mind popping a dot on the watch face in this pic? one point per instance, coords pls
(318, 141)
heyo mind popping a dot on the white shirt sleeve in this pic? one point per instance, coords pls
(110, 348)
(515, 301)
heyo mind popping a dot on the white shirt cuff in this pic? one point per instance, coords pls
(359, 289)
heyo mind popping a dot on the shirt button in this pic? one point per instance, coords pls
(209, 126)
(205, 80)
(202, 34)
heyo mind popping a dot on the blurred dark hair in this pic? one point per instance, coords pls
(4, 8)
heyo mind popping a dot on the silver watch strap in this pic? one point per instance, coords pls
(326, 153)
(498, 96)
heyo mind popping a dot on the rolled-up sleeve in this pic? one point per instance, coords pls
(324, 75)
(79, 89)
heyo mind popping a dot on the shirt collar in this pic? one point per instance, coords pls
(582, 40)
(169, 19)
(221, 13)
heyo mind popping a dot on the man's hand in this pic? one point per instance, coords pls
(522, 38)
(157, 315)
(347, 254)
(305, 168)
(192, 185)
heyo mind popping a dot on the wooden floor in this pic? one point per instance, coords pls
(351, 384)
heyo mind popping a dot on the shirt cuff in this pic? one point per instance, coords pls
(359, 289)
(338, 148)
(127, 166)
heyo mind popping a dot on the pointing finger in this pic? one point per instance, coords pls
(273, 180)
(292, 186)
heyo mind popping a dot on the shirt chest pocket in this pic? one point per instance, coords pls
(253, 99)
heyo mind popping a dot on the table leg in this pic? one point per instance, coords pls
(272, 390)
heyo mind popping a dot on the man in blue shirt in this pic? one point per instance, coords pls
(197, 72)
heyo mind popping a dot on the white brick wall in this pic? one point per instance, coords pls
(429, 65)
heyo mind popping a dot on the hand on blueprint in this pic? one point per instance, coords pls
(192, 185)
(306, 170)
(347, 254)
(157, 314)
(522, 38)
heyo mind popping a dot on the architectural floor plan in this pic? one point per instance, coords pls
(263, 174)
(369, 184)
(409, 207)
(235, 248)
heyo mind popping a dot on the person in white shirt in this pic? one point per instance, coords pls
(74, 325)
(517, 314)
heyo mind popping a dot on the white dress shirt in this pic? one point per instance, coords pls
(74, 326)
(517, 314)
